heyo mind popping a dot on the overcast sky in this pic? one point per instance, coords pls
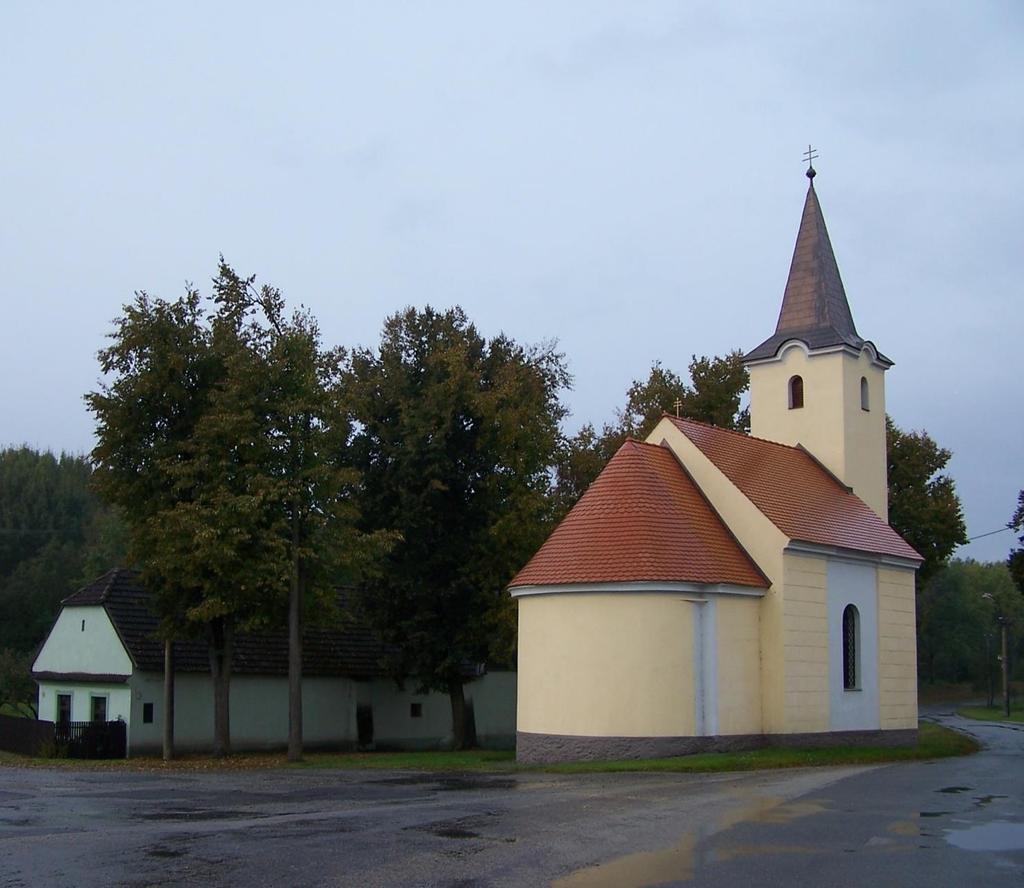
(622, 177)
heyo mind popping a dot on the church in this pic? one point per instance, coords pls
(714, 590)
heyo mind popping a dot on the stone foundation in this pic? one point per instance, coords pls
(550, 748)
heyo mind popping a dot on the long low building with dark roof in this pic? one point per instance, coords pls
(103, 660)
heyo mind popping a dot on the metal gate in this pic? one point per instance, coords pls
(91, 740)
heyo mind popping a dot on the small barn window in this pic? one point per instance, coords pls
(865, 397)
(147, 713)
(416, 710)
(796, 392)
(851, 648)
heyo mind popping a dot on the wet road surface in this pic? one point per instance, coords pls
(953, 822)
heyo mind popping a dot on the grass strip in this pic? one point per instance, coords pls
(992, 713)
(934, 742)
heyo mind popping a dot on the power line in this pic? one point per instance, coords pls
(990, 533)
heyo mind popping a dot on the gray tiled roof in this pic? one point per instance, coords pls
(351, 649)
(814, 307)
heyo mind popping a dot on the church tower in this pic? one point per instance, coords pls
(815, 382)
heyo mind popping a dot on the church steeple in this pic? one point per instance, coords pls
(815, 382)
(815, 299)
(814, 310)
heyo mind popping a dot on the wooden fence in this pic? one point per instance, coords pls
(95, 740)
(91, 740)
(26, 735)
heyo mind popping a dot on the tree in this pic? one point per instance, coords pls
(713, 395)
(223, 439)
(309, 432)
(53, 533)
(164, 370)
(961, 611)
(17, 690)
(923, 505)
(1016, 560)
(455, 436)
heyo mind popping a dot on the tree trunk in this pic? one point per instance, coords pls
(168, 737)
(221, 644)
(457, 698)
(295, 594)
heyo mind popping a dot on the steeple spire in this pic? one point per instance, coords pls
(814, 306)
(815, 299)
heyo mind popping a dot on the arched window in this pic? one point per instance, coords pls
(865, 399)
(851, 648)
(796, 392)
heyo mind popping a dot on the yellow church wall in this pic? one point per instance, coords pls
(585, 665)
(739, 665)
(832, 425)
(764, 543)
(815, 424)
(897, 648)
(864, 449)
(805, 703)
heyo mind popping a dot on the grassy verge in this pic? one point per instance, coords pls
(992, 713)
(467, 760)
(933, 742)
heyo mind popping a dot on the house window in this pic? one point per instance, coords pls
(865, 398)
(851, 649)
(416, 710)
(796, 393)
(147, 713)
(63, 709)
(97, 709)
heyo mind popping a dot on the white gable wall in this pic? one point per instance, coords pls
(118, 698)
(83, 640)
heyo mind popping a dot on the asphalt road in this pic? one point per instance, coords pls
(953, 822)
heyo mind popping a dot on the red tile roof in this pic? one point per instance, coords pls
(795, 492)
(643, 519)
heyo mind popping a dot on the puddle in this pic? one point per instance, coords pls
(207, 814)
(951, 789)
(450, 784)
(982, 801)
(674, 864)
(158, 851)
(455, 832)
(453, 829)
(722, 855)
(999, 835)
(678, 863)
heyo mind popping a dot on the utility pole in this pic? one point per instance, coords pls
(1006, 669)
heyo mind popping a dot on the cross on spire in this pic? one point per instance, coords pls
(809, 155)
(677, 405)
